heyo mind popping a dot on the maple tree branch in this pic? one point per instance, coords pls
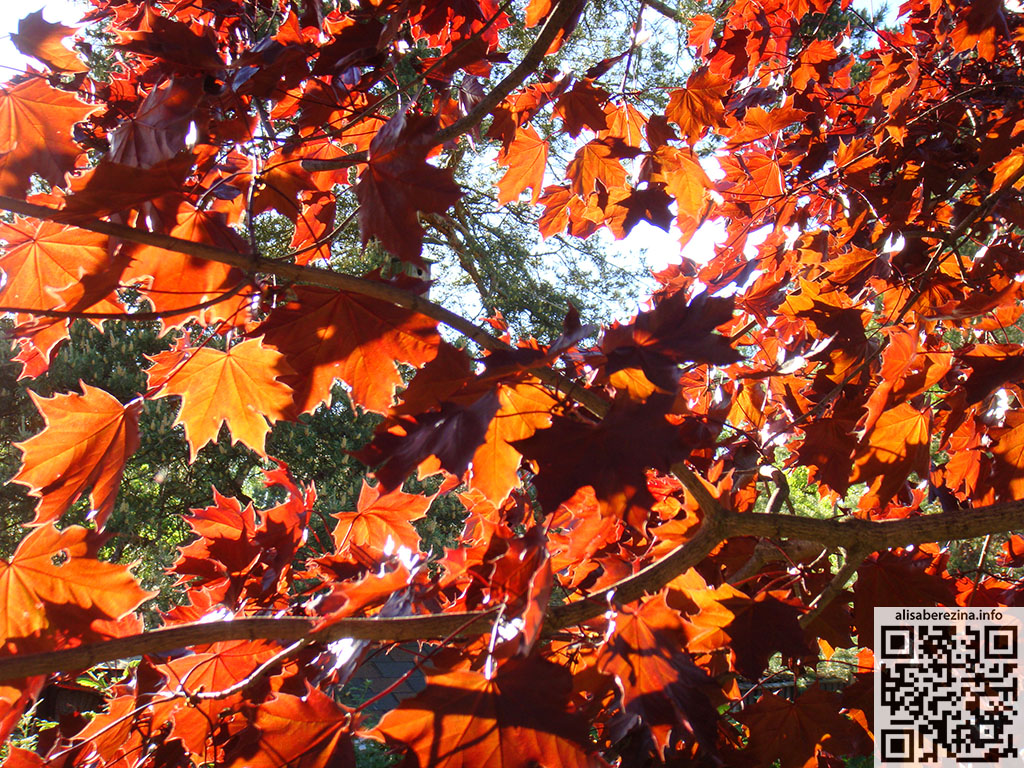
(135, 317)
(877, 535)
(780, 495)
(648, 580)
(285, 629)
(254, 263)
(665, 10)
(325, 278)
(708, 504)
(253, 677)
(766, 551)
(844, 532)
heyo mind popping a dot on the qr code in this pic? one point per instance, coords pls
(948, 686)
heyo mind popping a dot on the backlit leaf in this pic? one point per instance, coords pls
(518, 718)
(308, 732)
(83, 448)
(596, 161)
(658, 680)
(41, 39)
(381, 521)
(398, 182)
(173, 281)
(526, 158)
(35, 133)
(32, 585)
(326, 334)
(897, 446)
(524, 408)
(698, 106)
(240, 388)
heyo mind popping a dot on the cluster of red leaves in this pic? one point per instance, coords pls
(867, 337)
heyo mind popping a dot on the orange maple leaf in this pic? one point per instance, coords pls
(327, 334)
(524, 408)
(686, 180)
(898, 445)
(379, 518)
(536, 11)
(31, 585)
(176, 280)
(526, 158)
(50, 266)
(216, 668)
(35, 133)
(702, 30)
(85, 444)
(597, 160)
(240, 388)
(518, 718)
(698, 106)
(626, 123)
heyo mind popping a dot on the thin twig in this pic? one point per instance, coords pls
(559, 18)
(253, 677)
(854, 557)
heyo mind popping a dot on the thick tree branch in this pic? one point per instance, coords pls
(876, 536)
(135, 317)
(665, 10)
(708, 504)
(285, 629)
(291, 629)
(253, 263)
(649, 580)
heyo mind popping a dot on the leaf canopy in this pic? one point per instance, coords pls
(267, 216)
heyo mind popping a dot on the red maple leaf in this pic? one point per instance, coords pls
(35, 133)
(398, 181)
(517, 718)
(612, 457)
(308, 732)
(795, 732)
(659, 682)
(902, 579)
(526, 158)
(327, 335)
(698, 106)
(42, 40)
